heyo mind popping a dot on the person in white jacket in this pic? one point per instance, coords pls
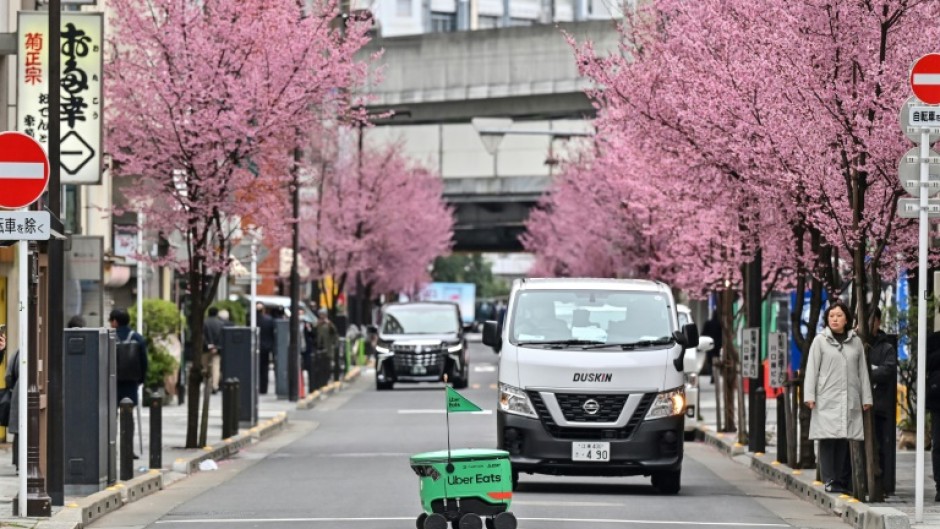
(837, 389)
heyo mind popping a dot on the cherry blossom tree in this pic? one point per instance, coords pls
(374, 221)
(782, 116)
(204, 103)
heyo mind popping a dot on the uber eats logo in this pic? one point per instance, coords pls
(470, 480)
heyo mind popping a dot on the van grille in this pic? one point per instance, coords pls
(590, 434)
(572, 406)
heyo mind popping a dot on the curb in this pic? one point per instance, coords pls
(850, 510)
(310, 400)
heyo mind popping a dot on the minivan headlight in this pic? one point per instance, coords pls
(668, 404)
(514, 400)
(455, 348)
(383, 349)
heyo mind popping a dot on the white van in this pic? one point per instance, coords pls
(591, 379)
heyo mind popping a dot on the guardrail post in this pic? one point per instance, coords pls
(156, 433)
(127, 439)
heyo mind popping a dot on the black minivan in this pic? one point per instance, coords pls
(421, 342)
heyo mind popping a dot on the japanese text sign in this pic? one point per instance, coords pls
(25, 226)
(777, 350)
(750, 353)
(80, 89)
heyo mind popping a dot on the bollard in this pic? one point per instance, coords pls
(156, 433)
(227, 408)
(782, 429)
(127, 439)
(759, 435)
(233, 407)
(337, 359)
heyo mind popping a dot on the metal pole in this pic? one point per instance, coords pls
(22, 258)
(140, 274)
(254, 281)
(757, 440)
(37, 501)
(55, 316)
(126, 416)
(293, 352)
(921, 329)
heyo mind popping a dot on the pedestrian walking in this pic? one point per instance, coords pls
(712, 329)
(327, 335)
(309, 335)
(226, 318)
(883, 359)
(836, 388)
(265, 347)
(212, 338)
(131, 360)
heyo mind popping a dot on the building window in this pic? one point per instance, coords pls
(443, 22)
(403, 8)
(520, 22)
(487, 22)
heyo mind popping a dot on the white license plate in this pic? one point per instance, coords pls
(419, 370)
(599, 452)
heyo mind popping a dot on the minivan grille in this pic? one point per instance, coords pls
(573, 404)
(590, 434)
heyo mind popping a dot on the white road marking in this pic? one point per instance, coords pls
(534, 503)
(654, 522)
(22, 170)
(397, 519)
(441, 412)
(485, 368)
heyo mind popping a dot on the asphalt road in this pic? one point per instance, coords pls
(344, 465)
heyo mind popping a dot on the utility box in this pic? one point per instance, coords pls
(90, 410)
(240, 360)
(281, 347)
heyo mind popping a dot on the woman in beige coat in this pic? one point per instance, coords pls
(837, 389)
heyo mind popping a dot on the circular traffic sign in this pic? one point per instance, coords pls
(24, 170)
(925, 79)
(909, 172)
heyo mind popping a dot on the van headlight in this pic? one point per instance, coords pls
(514, 400)
(668, 404)
(455, 348)
(383, 349)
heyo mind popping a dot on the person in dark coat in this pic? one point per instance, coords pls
(932, 403)
(883, 359)
(712, 329)
(309, 333)
(120, 321)
(212, 342)
(265, 347)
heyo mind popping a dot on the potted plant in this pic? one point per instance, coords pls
(162, 322)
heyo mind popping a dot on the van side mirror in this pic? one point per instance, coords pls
(687, 338)
(491, 335)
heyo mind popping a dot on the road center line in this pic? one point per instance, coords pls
(396, 519)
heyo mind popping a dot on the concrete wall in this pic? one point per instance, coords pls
(481, 65)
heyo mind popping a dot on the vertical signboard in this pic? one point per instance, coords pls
(81, 89)
(750, 352)
(777, 357)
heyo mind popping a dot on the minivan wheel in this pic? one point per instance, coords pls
(515, 479)
(383, 386)
(668, 482)
(461, 382)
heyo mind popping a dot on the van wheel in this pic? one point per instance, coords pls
(515, 479)
(668, 482)
(383, 386)
(688, 435)
(461, 382)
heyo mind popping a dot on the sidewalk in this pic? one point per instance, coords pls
(895, 513)
(178, 462)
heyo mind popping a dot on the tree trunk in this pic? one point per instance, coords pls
(206, 395)
(197, 316)
(729, 359)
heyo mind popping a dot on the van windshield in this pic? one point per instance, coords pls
(591, 318)
(420, 319)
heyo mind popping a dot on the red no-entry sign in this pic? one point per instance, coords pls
(925, 79)
(24, 170)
